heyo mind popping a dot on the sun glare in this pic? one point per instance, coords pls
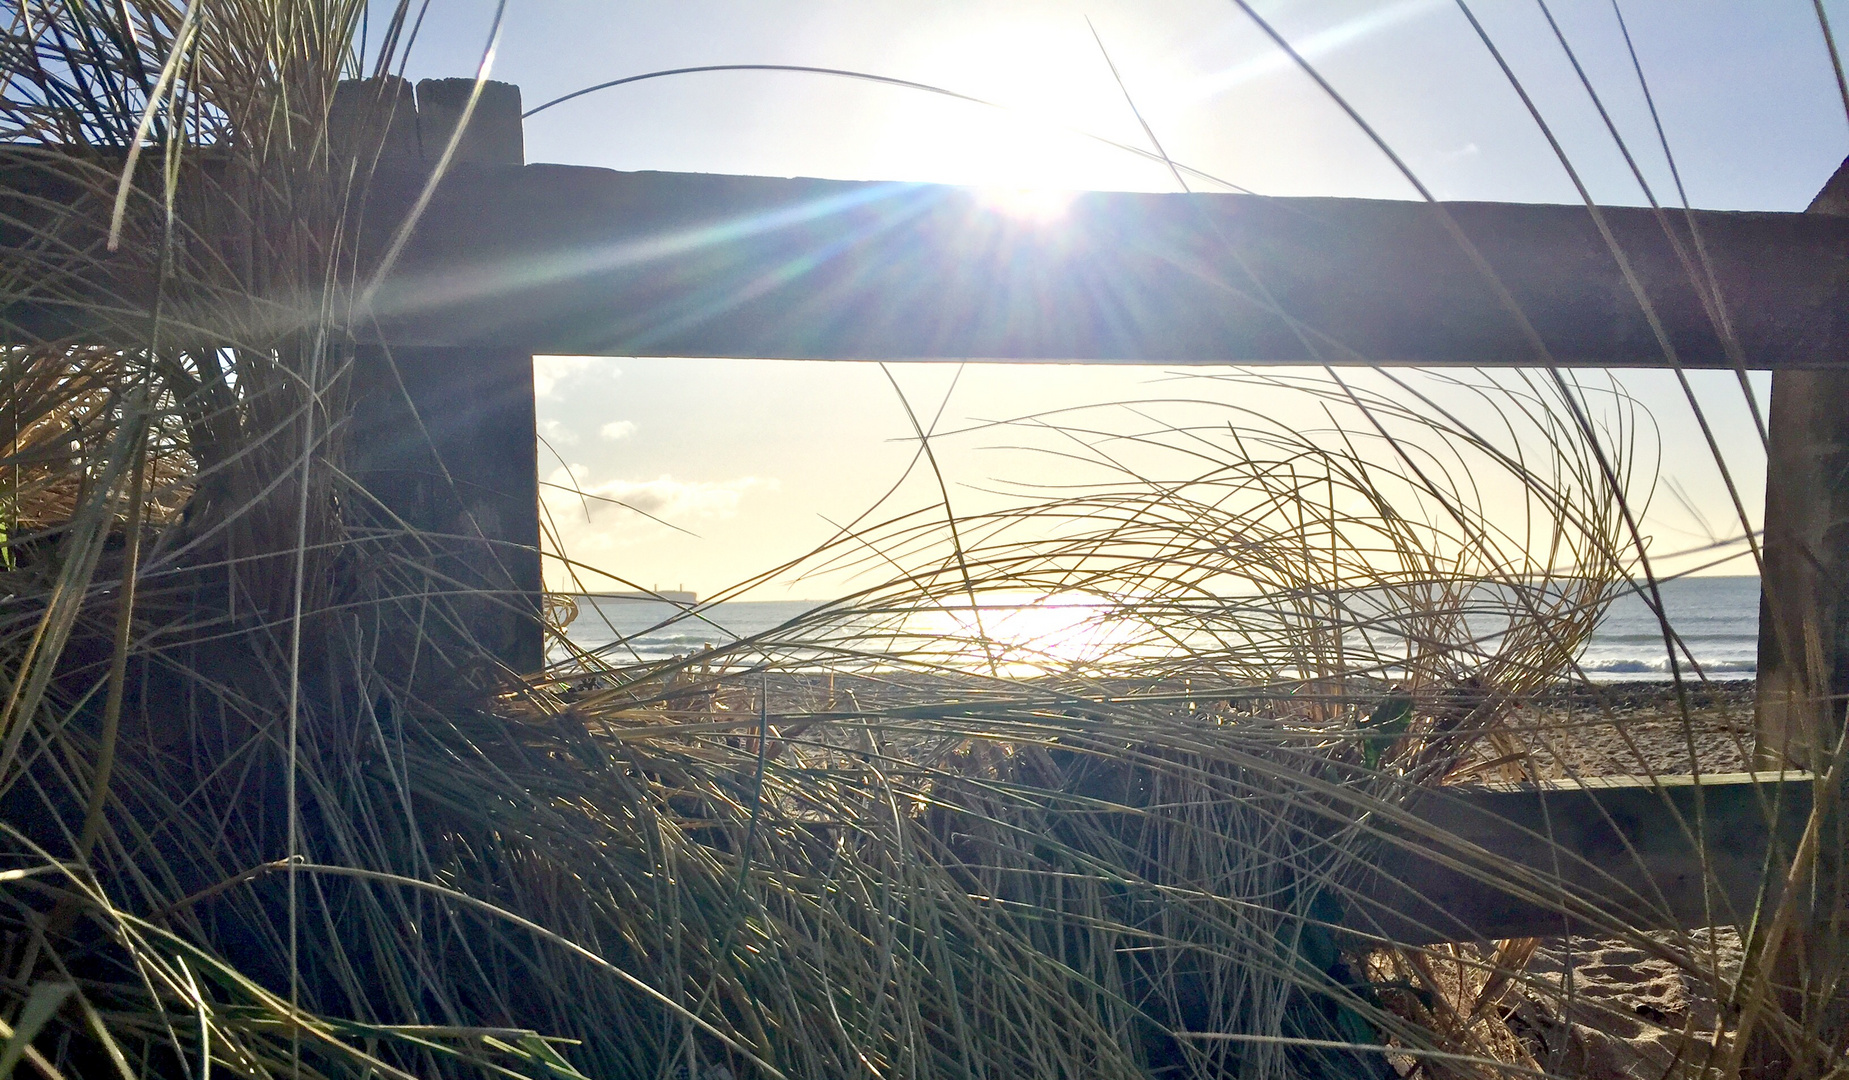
(1051, 82)
(1041, 204)
(1023, 634)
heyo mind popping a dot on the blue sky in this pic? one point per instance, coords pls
(756, 458)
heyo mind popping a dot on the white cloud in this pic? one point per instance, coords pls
(557, 434)
(549, 371)
(617, 429)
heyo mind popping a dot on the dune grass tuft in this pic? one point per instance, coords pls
(898, 836)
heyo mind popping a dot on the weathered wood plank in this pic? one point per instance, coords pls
(562, 259)
(446, 441)
(1803, 664)
(575, 260)
(1803, 669)
(446, 438)
(1602, 855)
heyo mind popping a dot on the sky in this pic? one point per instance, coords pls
(743, 465)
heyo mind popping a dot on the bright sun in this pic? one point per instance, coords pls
(1041, 204)
(1052, 82)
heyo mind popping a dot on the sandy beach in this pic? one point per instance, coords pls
(1610, 1009)
(1636, 729)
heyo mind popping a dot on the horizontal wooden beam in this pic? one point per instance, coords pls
(558, 259)
(562, 259)
(1597, 857)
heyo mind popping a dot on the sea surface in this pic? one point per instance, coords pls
(1715, 618)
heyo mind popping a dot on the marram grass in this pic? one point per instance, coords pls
(239, 835)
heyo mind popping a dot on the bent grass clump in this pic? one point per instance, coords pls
(240, 832)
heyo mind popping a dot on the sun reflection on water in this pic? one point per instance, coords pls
(1020, 634)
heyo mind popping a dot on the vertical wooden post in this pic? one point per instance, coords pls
(373, 118)
(446, 438)
(1803, 674)
(1803, 682)
(494, 134)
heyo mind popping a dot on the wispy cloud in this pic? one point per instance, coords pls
(663, 498)
(617, 429)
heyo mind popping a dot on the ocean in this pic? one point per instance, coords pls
(1717, 619)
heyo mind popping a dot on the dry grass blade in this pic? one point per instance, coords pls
(1084, 785)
